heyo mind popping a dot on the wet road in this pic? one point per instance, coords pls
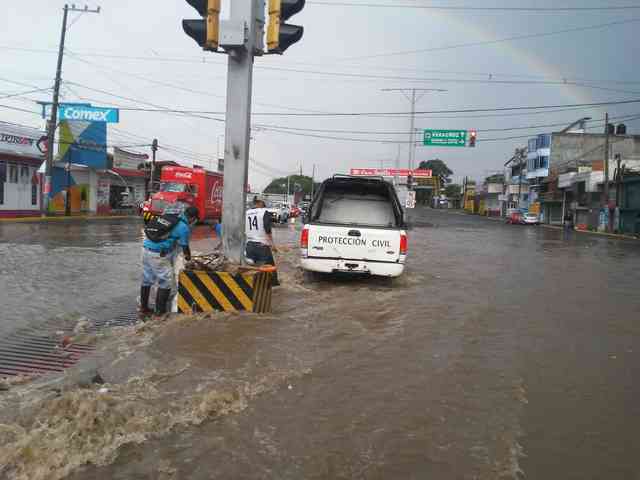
(62, 271)
(504, 349)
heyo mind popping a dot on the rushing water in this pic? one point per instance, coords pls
(503, 349)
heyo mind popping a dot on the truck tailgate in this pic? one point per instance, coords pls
(357, 243)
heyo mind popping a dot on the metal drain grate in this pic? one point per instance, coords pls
(31, 352)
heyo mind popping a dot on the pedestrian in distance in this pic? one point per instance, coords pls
(163, 235)
(260, 246)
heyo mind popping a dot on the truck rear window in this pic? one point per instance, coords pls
(357, 203)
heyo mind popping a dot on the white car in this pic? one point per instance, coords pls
(355, 225)
(530, 219)
(279, 212)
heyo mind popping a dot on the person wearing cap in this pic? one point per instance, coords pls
(260, 246)
(158, 261)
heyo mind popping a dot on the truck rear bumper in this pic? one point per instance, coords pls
(381, 269)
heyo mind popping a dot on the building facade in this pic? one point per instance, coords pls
(20, 158)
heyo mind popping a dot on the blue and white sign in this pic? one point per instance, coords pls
(88, 113)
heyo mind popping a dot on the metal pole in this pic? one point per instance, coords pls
(154, 149)
(237, 132)
(618, 178)
(67, 199)
(412, 149)
(313, 180)
(520, 158)
(564, 205)
(605, 199)
(53, 121)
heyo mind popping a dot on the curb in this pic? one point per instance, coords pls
(77, 218)
(556, 227)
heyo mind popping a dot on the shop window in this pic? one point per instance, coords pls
(544, 162)
(13, 173)
(34, 193)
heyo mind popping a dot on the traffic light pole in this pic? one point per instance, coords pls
(237, 133)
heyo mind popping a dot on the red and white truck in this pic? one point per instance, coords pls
(191, 187)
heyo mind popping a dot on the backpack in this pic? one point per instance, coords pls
(159, 228)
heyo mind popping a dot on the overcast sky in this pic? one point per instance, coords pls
(134, 53)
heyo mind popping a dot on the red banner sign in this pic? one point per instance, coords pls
(390, 172)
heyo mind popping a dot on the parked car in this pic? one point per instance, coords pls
(294, 211)
(515, 218)
(530, 219)
(355, 225)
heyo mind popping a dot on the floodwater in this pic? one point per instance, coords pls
(503, 351)
(65, 270)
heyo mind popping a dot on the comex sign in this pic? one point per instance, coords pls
(87, 113)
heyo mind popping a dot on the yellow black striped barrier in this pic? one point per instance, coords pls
(146, 216)
(200, 291)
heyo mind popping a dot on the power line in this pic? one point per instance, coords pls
(470, 8)
(17, 109)
(500, 40)
(368, 114)
(374, 132)
(203, 60)
(181, 88)
(21, 94)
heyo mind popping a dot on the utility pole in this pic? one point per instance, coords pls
(53, 121)
(237, 131)
(618, 179)
(605, 200)
(520, 154)
(413, 98)
(313, 180)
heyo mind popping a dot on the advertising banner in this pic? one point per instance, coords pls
(20, 141)
(83, 143)
(128, 160)
(88, 113)
(390, 172)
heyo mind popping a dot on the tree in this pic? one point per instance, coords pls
(297, 183)
(453, 190)
(438, 168)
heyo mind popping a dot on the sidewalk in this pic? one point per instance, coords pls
(612, 235)
(553, 227)
(72, 218)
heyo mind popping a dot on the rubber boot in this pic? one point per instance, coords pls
(162, 299)
(144, 300)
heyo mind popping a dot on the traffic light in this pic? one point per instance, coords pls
(472, 138)
(280, 35)
(206, 31)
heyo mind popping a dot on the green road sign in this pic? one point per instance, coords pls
(445, 138)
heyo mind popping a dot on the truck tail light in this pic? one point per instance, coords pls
(304, 238)
(403, 244)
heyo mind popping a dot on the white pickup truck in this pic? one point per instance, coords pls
(355, 225)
